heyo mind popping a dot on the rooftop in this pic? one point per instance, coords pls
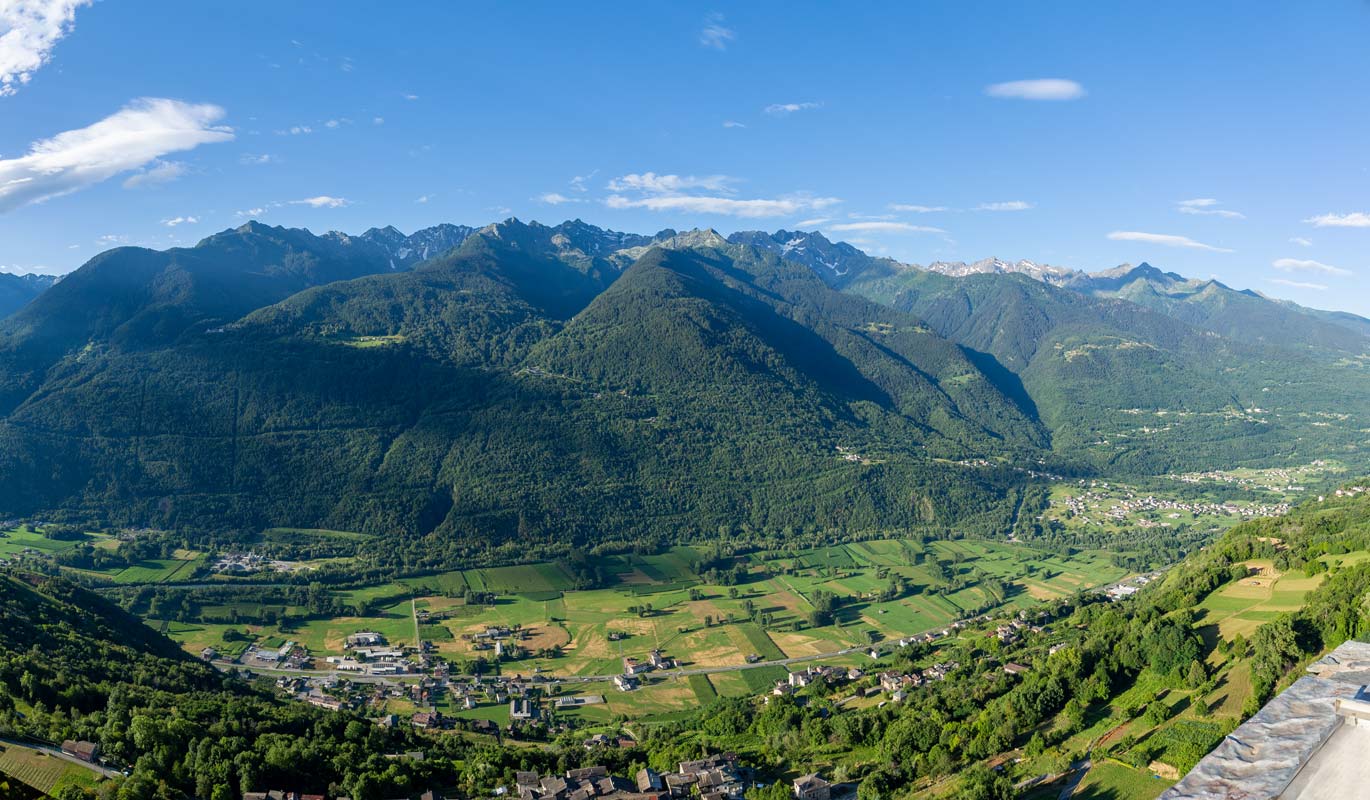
(1307, 743)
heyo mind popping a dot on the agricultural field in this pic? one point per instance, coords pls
(1243, 606)
(47, 774)
(17, 541)
(659, 602)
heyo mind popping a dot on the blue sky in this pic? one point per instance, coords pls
(1215, 139)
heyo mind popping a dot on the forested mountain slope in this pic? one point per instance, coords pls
(1130, 388)
(1241, 315)
(501, 394)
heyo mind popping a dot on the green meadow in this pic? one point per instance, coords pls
(661, 602)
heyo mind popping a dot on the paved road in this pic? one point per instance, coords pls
(56, 752)
(1073, 782)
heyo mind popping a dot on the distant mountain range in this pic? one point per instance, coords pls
(530, 383)
(17, 290)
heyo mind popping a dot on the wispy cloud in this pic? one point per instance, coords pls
(1301, 241)
(1165, 239)
(714, 35)
(1204, 207)
(656, 192)
(885, 227)
(1307, 265)
(1355, 219)
(410, 96)
(174, 221)
(661, 184)
(378, 120)
(1007, 205)
(256, 159)
(812, 223)
(133, 137)
(1037, 89)
(916, 209)
(423, 198)
(158, 172)
(727, 206)
(785, 109)
(555, 198)
(251, 212)
(729, 123)
(1299, 284)
(295, 130)
(29, 30)
(581, 182)
(322, 201)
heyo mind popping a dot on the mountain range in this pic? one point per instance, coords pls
(18, 290)
(569, 384)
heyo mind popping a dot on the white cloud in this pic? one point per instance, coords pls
(423, 198)
(579, 182)
(812, 223)
(916, 209)
(112, 239)
(322, 201)
(295, 130)
(411, 97)
(29, 30)
(1299, 284)
(174, 221)
(1039, 89)
(555, 198)
(1356, 219)
(1165, 239)
(1301, 241)
(251, 212)
(135, 136)
(1306, 265)
(332, 123)
(1204, 206)
(714, 35)
(664, 184)
(257, 159)
(378, 120)
(728, 123)
(1008, 205)
(690, 204)
(158, 172)
(885, 227)
(783, 109)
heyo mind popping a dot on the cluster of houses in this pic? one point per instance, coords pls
(823, 675)
(1012, 631)
(898, 684)
(1107, 509)
(633, 669)
(715, 777)
(494, 638)
(278, 794)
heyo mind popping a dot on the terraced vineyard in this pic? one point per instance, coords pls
(47, 774)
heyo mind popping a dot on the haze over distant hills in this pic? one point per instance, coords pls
(574, 384)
